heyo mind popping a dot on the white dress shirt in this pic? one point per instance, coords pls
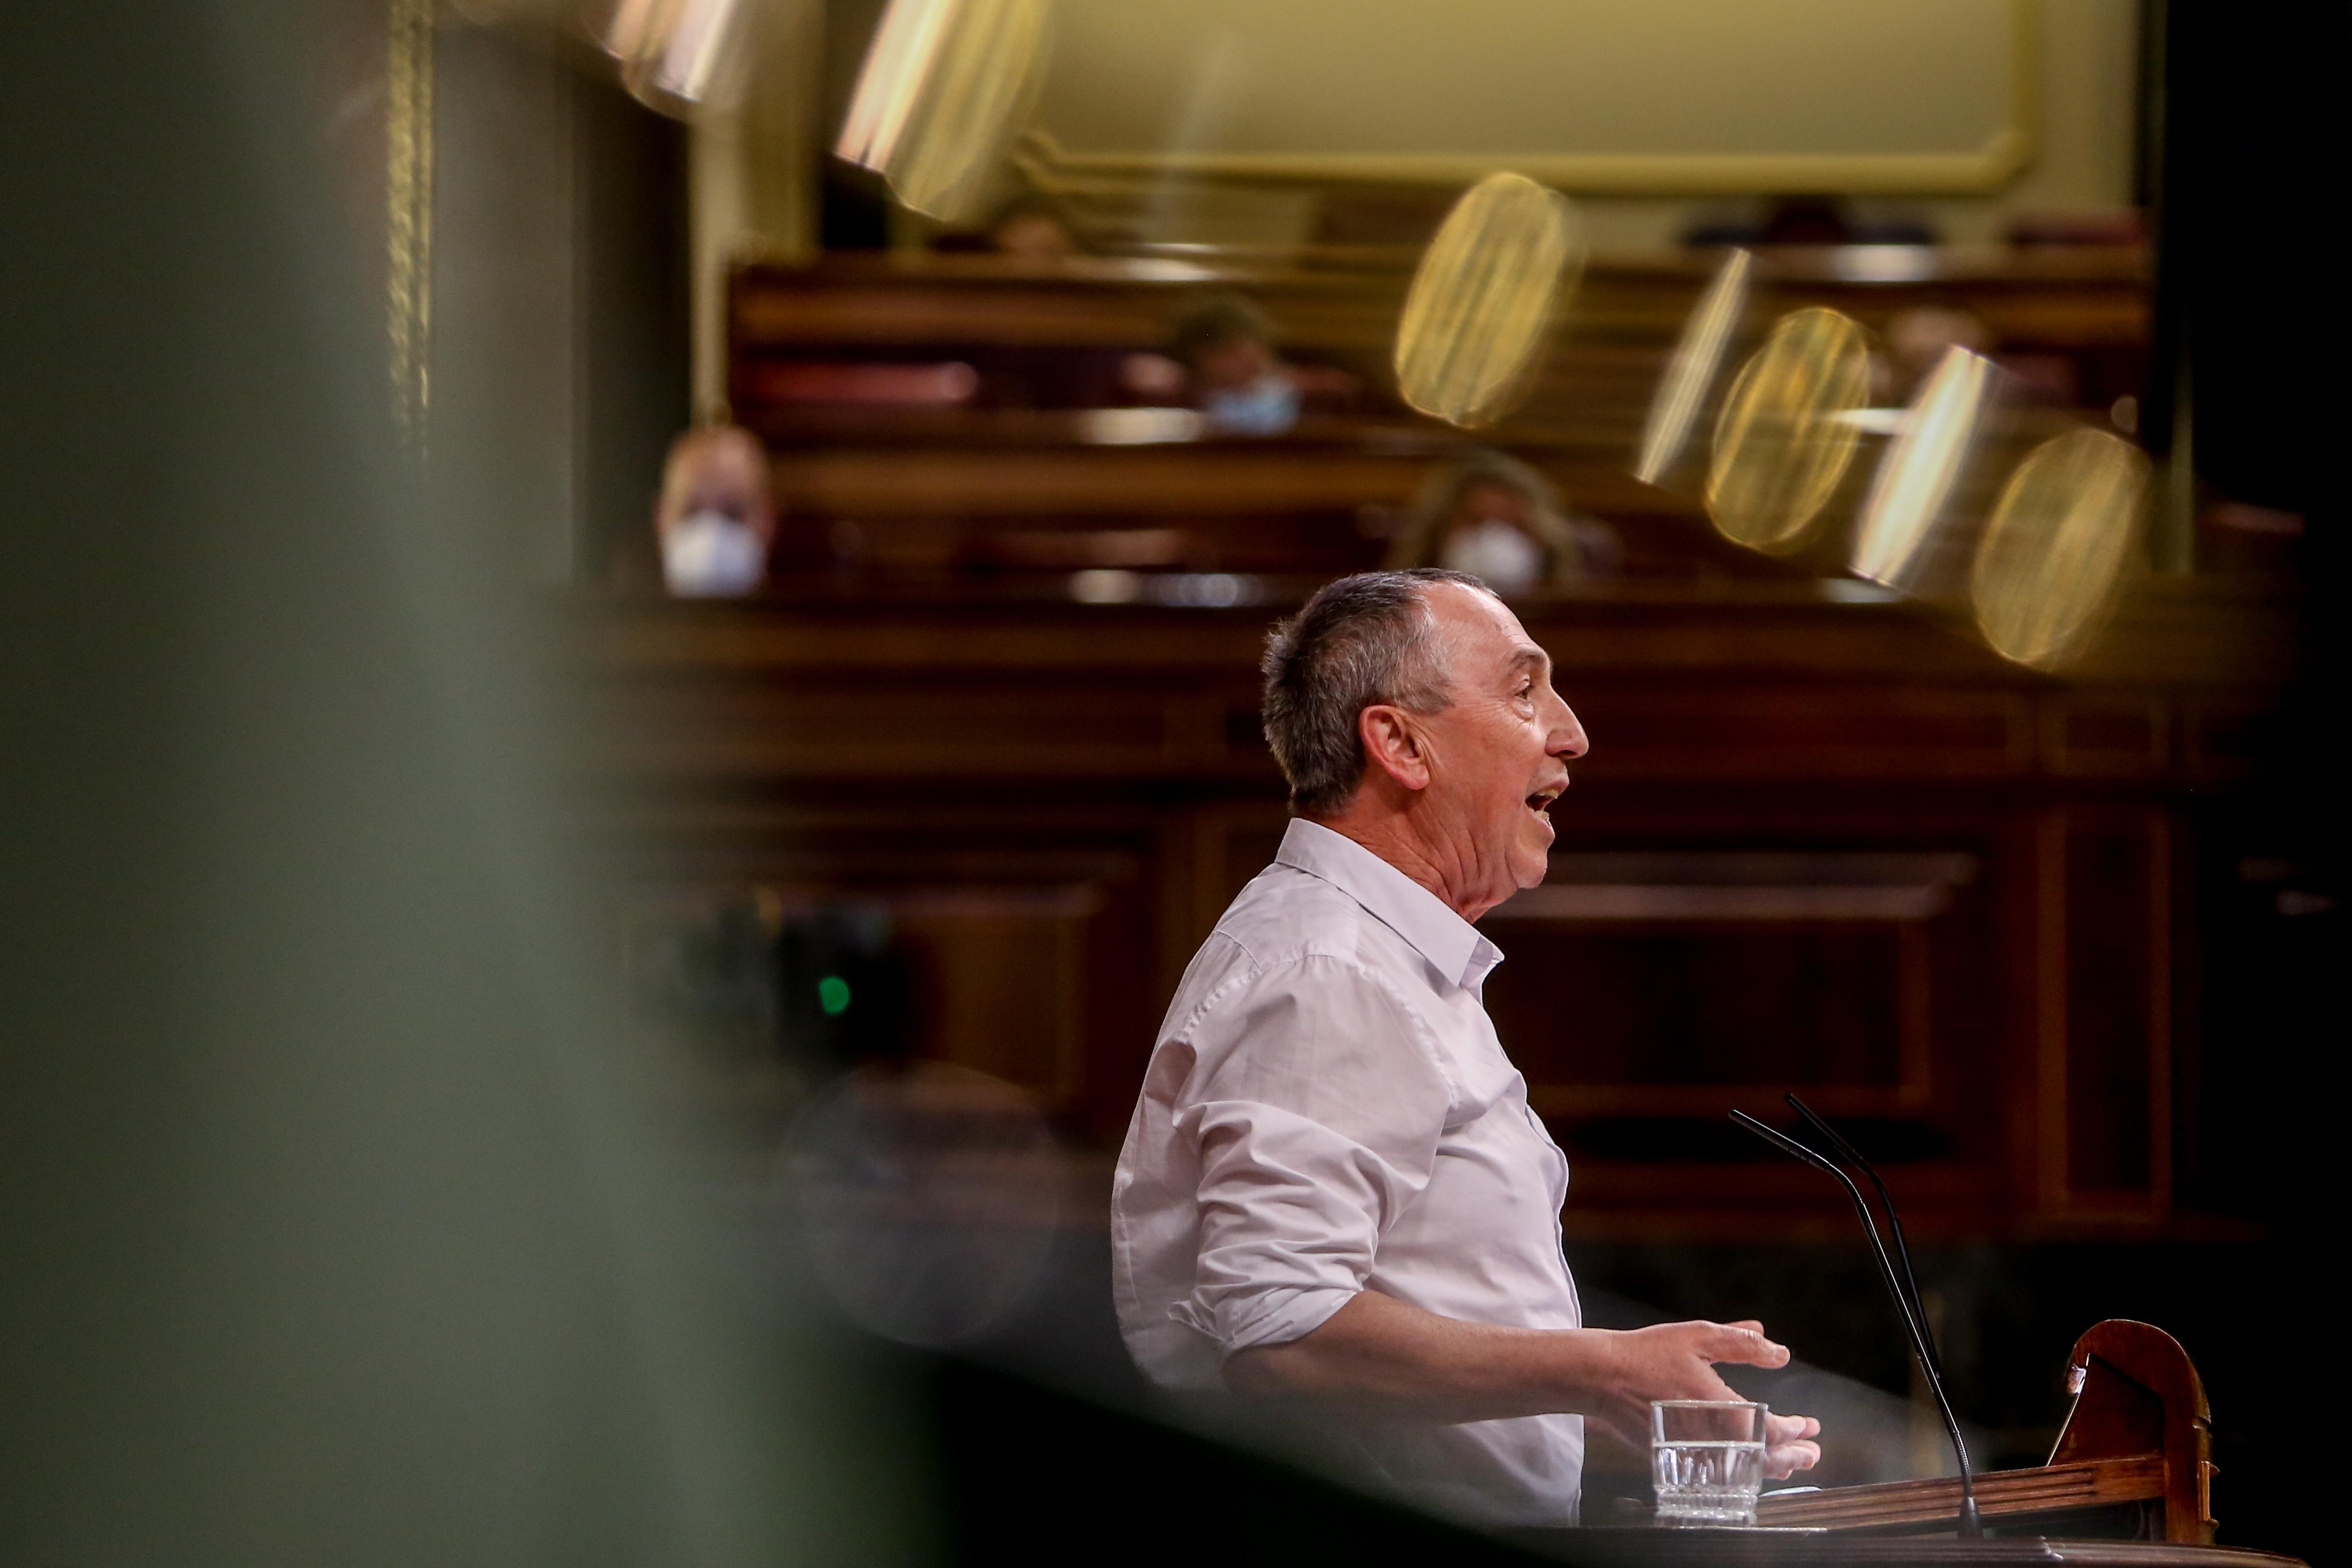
(1327, 1110)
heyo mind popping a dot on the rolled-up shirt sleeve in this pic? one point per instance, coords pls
(1314, 1105)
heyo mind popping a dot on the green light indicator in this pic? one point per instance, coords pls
(833, 994)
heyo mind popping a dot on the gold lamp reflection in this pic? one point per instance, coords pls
(1784, 438)
(945, 85)
(2056, 548)
(1484, 298)
(1915, 479)
(670, 51)
(1697, 358)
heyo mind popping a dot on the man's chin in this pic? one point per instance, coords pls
(1533, 862)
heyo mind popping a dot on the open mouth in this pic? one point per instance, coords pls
(1540, 802)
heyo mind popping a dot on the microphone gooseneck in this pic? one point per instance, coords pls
(1853, 1156)
(1907, 1304)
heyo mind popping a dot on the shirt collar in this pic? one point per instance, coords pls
(1451, 943)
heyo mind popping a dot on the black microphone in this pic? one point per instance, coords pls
(1853, 1156)
(1906, 1302)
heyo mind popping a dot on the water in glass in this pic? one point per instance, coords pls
(1707, 1458)
(1707, 1482)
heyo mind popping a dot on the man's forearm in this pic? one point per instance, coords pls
(1381, 1353)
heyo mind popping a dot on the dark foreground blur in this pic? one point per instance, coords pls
(337, 1227)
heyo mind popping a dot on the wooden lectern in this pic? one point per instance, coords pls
(2134, 1459)
(2129, 1485)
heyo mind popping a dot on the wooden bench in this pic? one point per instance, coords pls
(1041, 443)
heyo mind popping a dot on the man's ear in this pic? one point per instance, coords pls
(1395, 745)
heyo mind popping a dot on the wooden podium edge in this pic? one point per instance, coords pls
(2085, 1483)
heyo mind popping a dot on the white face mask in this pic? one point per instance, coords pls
(1501, 556)
(709, 554)
(1268, 406)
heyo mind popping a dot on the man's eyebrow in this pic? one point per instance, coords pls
(1529, 654)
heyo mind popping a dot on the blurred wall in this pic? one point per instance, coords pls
(2085, 154)
(756, 150)
(559, 300)
(1966, 112)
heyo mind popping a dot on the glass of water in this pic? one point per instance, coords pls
(1707, 1458)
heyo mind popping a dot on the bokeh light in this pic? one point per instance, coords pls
(1697, 357)
(2055, 551)
(1784, 441)
(945, 86)
(1912, 488)
(675, 54)
(1484, 299)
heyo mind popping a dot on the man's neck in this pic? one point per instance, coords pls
(1391, 835)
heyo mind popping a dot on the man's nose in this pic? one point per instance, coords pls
(1567, 737)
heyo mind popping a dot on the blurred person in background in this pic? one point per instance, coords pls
(1222, 358)
(1808, 220)
(1333, 1194)
(1498, 520)
(1917, 339)
(1027, 228)
(716, 521)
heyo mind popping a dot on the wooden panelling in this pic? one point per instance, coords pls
(2119, 1025)
(1108, 729)
(1274, 508)
(1817, 845)
(761, 730)
(1723, 729)
(2103, 1011)
(1106, 483)
(1681, 984)
(2117, 736)
(2051, 299)
(1672, 1019)
(2224, 737)
(1004, 979)
(1027, 928)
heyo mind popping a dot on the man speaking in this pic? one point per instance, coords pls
(1333, 1190)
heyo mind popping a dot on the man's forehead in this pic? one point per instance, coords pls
(1484, 626)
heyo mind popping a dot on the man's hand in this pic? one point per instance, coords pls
(1676, 1361)
(1381, 1356)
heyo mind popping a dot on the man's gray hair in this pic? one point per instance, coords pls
(1359, 641)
